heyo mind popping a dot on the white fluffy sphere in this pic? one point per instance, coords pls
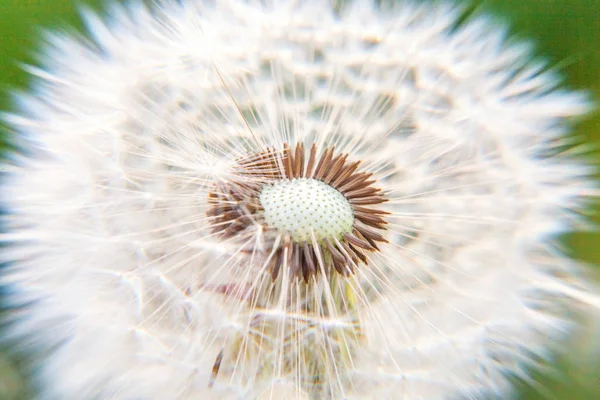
(144, 264)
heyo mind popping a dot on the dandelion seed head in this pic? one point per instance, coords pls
(291, 200)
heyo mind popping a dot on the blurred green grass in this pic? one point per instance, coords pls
(567, 31)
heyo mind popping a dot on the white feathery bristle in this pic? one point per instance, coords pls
(137, 269)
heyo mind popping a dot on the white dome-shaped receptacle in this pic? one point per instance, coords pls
(299, 206)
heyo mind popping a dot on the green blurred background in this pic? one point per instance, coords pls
(565, 31)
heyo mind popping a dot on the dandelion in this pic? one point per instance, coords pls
(291, 200)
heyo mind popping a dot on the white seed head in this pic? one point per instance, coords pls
(145, 255)
(305, 205)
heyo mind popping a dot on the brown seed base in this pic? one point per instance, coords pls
(235, 205)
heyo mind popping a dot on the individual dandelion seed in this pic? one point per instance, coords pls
(291, 200)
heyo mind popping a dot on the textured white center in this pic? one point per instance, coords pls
(300, 205)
